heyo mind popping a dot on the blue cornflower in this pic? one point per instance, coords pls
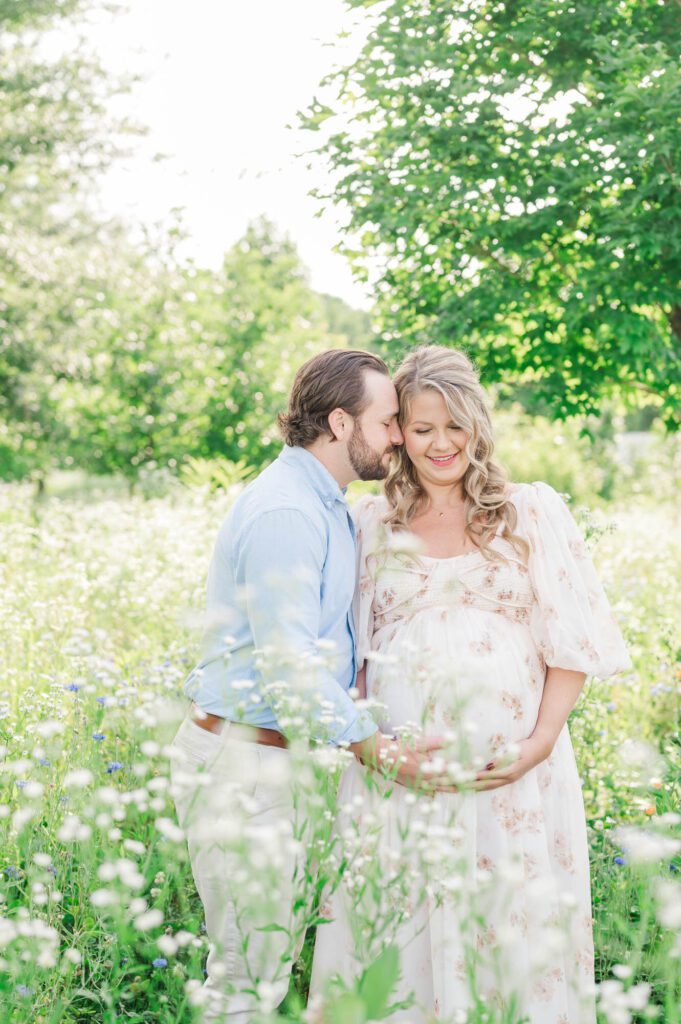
(620, 861)
(43, 762)
(101, 700)
(13, 872)
(114, 766)
(23, 990)
(73, 687)
(673, 867)
(160, 961)
(99, 736)
(21, 783)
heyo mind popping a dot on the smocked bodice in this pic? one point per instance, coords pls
(407, 585)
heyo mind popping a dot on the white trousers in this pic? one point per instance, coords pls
(235, 802)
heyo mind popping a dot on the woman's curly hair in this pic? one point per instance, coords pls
(488, 510)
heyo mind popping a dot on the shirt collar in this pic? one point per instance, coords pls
(325, 485)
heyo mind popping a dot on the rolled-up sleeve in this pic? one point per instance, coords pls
(279, 560)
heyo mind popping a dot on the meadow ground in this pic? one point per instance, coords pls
(100, 612)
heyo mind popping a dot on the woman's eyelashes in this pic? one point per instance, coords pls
(426, 430)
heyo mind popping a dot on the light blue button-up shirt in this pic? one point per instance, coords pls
(282, 576)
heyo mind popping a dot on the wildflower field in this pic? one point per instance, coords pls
(100, 616)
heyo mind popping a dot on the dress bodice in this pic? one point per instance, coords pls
(552, 588)
(407, 585)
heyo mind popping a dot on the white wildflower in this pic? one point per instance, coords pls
(73, 830)
(669, 904)
(104, 898)
(78, 778)
(149, 919)
(49, 728)
(135, 846)
(646, 847)
(169, 830)
(168, 945)
(21, 818)
(33, 790)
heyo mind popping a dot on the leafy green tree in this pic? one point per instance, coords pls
(175, 361)
(55, 134)
(513, 166)
(265, 321)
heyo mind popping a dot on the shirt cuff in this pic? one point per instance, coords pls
(361, 727)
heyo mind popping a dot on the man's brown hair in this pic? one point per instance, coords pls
(331, 380)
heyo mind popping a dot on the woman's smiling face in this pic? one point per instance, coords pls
(433, 441)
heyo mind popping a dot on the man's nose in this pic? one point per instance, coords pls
(396, 435)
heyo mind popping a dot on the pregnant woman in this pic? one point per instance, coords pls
(479, 616)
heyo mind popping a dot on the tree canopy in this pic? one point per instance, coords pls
(55, 135)
(513, 170)
(114, 354)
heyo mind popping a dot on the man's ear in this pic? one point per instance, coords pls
(339, 423)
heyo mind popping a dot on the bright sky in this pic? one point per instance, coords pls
(223, 79)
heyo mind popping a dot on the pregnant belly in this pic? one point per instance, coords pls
(475, 678)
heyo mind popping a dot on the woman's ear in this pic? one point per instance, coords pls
(338, 423)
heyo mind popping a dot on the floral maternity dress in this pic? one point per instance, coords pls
(497, 909)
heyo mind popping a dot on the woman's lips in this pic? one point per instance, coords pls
(446, 461)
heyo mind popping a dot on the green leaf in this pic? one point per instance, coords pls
(346, 1009)
(378, 981)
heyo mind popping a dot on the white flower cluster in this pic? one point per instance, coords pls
(34, 940)
(618, 1003)
(644, 846)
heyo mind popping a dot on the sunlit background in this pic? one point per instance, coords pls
(220, 89)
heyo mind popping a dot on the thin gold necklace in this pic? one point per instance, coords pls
(444, 513)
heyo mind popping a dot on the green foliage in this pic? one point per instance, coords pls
(115, 356)
(511, 167)
(534, 448)
(214, 474)
(187, 363)
(55, 134)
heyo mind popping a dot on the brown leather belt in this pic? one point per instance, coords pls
(247, 733)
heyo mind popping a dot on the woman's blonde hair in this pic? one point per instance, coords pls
(488, 510)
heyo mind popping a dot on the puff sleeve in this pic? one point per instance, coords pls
(571, 619)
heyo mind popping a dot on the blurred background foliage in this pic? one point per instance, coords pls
(119, 359)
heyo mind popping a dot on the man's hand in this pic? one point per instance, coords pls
(408, 762)
(532, 752)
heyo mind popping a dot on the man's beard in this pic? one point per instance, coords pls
(367, 464)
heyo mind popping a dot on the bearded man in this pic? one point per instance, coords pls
(282, 577)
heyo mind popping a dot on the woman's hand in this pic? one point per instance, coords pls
(561, 689)
(532, 752)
